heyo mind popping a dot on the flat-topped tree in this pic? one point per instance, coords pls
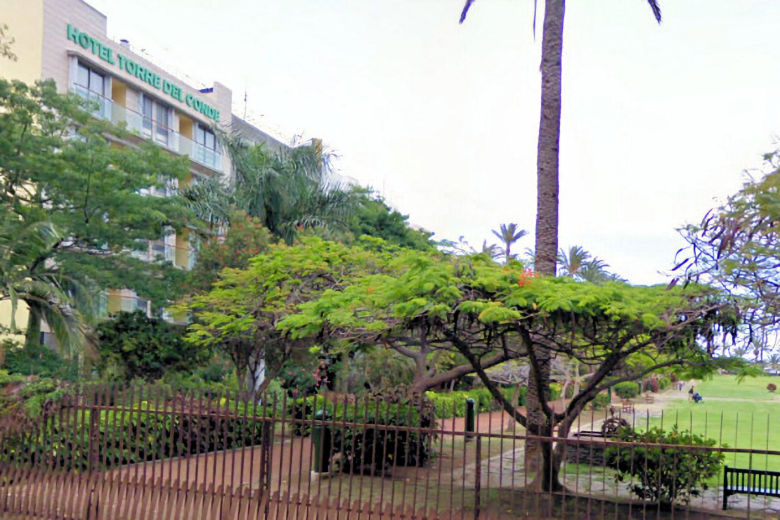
(486, 312)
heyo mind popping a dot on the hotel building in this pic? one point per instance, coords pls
(66, 40)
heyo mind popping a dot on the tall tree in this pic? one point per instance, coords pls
(546, 238)
(509, 234)
(59, 163)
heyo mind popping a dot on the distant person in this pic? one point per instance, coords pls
(690, 392)
(680, 385)
(697, 397)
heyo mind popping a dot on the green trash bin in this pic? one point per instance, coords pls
(323, 442)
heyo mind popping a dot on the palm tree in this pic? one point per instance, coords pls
(573, 261)
(289, 190)
(509, 234)
(491, 250)
(61, 301)
(546, 239)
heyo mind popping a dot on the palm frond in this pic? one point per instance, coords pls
(656, 9)
(465, 10)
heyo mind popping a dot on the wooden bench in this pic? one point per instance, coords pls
(749, 482)
(649, 398)
(627, 407)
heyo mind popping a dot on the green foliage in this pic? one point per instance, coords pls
(737, 246)
(375, 370)
(365, 447)
(600, 401)
(5, 44)
(664, 382)
(555, 391)
(627, 389)
(289, 190)
(297, 380)
(246, 237)
(7, 378)
(132, 345)
(59, 168)
(129, 437)
(665, 475)
(41, 361)
(375, 218)
(453, 404)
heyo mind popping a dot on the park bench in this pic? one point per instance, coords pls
(649, 399)
(749, 482)
(628, 407)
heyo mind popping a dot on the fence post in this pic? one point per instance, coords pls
(477, 476)
(94, 431)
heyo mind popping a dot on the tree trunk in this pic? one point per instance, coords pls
(32, 337)
(539, 454)
(546, 246)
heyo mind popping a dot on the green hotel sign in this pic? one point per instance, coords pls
(136, 70)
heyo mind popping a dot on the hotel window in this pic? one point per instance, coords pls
(206, 151)
(91, 85)
(156, 120)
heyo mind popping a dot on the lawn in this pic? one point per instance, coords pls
(735, 414)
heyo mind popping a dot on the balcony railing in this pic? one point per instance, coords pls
(151, 129)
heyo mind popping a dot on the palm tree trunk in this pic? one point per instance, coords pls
(539, 455)
(546, 247)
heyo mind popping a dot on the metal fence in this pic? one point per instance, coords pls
(148, 453)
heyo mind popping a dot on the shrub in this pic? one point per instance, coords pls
(653, 385)
(363, 446)
(509, 392)
(129, 436)
(132, 345)
(664, 475)
(627, 389)
(600, 401)
(664, 382)
(297, 380)
(40, 360)
(771, 387)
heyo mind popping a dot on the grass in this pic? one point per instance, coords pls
(735, 414)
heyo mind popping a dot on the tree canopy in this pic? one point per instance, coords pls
(737, 246)
(89, 180)
(485, 312)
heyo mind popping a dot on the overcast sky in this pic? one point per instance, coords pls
(658, 123)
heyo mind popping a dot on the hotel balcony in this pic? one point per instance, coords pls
(150, 129)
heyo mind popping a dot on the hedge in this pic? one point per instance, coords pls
(627, 389)
(364, 446)
(127, 437)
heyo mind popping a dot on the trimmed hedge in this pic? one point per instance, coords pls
(127, 437)
(600, 401)
(627, 389)
(447, 403)
(664, 382)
